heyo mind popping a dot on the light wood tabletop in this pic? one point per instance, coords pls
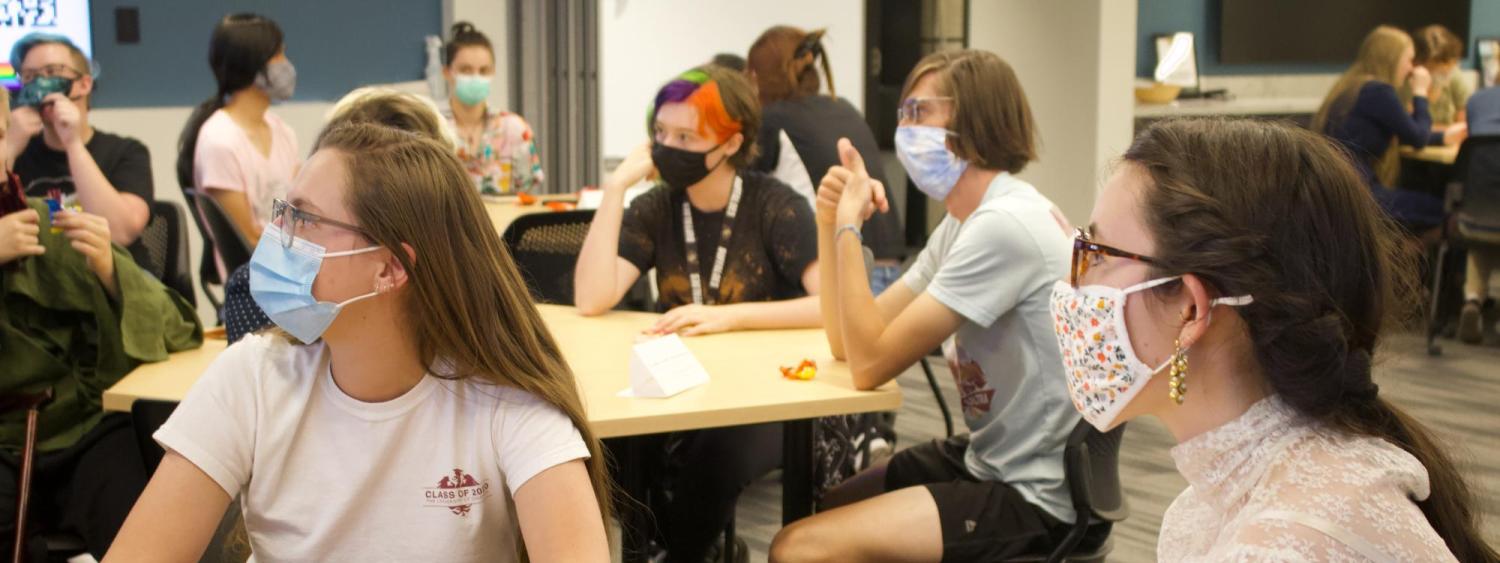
(504, 210)
(745, 385)
(1441, 154)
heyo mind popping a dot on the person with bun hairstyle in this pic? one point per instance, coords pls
(1438, 50)
(233, 148)
(497, 147)
(1235, 282)
(784, 63)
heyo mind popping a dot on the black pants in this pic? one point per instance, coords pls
(85, 490)
(701, 474)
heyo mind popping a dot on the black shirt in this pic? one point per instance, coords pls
(815, 124)
(773, 242)
(126, 163)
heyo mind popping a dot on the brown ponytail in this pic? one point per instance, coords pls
(782, 61)
(1278, 212)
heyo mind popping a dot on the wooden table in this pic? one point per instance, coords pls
(1441, 154)
(745, 387)
(505, 209)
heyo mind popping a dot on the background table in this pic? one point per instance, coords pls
(745, 387)
(1441, 154)
(504, 210)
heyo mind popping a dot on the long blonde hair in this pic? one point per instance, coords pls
(1379, 58)
(467, 305)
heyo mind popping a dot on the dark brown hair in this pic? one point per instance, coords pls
(463, 35)
(782, 59)
(1278, 212)
(1435, 44)
(991, 116)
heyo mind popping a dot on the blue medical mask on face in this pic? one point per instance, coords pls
(281, 282)
(923, 151)
(471, 89)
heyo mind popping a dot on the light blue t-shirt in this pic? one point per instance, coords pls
(996, 269)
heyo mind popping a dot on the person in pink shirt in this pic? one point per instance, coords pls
(233, 148)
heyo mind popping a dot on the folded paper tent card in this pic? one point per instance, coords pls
(663, 367)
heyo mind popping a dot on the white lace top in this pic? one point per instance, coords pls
(1272, 486)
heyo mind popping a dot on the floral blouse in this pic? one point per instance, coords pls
(1272, 486)
(504, 158)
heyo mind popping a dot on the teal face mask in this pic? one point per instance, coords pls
(471, 89)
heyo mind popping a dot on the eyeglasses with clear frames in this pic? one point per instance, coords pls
(291, 219)
(912, 109)
(1085, 251)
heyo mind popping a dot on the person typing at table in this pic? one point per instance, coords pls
(412, 407)
(980, 289)
(76, 315)
(733, 249)
(1363, 112)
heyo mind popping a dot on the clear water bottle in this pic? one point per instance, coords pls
(436, 85)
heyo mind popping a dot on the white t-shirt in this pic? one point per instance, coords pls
(996, 269)
(226, 159)
(428, 476)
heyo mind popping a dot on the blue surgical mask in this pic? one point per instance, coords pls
(281, 281)
(924, 153)
(471, 89)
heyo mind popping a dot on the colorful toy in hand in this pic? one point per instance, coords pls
(54, 205)
(804, 371)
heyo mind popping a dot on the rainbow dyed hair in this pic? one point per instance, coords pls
(696, 89)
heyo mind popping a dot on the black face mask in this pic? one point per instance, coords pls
(682, 168)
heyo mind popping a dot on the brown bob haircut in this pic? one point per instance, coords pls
(991, 117)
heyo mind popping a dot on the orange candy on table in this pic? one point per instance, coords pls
(803, 372)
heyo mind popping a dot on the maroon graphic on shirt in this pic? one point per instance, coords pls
(457, 492)
(971, 383)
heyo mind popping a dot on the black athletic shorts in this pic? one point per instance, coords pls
(981, 520)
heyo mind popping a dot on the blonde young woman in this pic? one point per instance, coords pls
(413, 406)
(1364, 113)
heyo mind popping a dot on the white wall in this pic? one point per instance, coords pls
(645, 43)
(1076, 61)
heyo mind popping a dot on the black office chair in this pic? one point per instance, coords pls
(1091, 465)
(937, 393)
(1473, 194)
(224, 237)
(147, 415)
(166, 243)
(545, 247)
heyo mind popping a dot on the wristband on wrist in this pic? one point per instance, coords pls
(851, 228)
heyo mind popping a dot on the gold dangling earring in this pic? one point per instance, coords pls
(1177, 385)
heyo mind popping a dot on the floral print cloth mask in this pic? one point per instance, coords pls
(1102, 370)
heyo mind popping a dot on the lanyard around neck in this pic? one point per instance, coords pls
(709, 296)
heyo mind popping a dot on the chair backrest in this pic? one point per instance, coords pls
(1477, 168)
(231, 245)
(166, 242)
(545, 247)
(1091, 463)
(146, 415)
